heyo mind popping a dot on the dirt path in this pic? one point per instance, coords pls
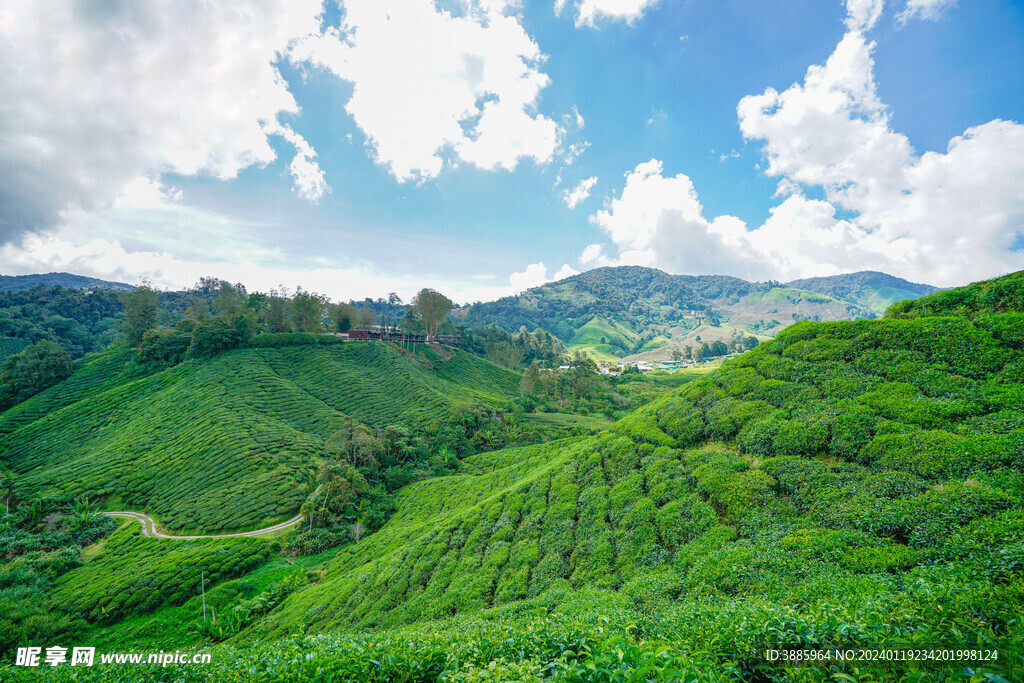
(149, 527)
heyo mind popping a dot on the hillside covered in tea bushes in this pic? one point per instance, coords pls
(229, 442)
(846, 484)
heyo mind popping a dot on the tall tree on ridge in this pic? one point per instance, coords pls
(432, 307)
(140, 310)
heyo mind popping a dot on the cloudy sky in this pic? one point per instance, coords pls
(485, 146)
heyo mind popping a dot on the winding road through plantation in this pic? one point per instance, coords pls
(149, 527)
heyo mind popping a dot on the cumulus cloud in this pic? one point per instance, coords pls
(97, 94)
(658, 221)
(432, 88)
(593, 256)
(565, 271)
(590, 11)
(536, 274)
(931, 10)
(576, 195)
(942, 217)
(309, 182)
(862, 15)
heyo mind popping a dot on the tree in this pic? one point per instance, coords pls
(393, 300)
(198, 311)
(216, 335)
(308, 311)
(343, 316)
(230, 304)
(411, 323)
(38, 367)
(432, 307)
(257, 302)
(140, 309)
(365, 317)
(677, 355)
(583, 377)
(531, 378)
(275, 315)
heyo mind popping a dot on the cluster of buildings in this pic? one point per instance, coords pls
(615, 369)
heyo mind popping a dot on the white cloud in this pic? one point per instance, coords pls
(658, 221)
(536, 274)
(565, 271)
(632, 220)
(431, 88)
(931, 10)
(98, 94)
(593, 256)
(862, 15)
(575, 151)
(576, 195)
(580, 122)
(590, 11)
(941, 217)
(308, 178)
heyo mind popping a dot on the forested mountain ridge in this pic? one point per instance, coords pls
(868, 288)
(642, 313)
(17, 283)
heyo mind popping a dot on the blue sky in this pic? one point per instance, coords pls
(484, 146)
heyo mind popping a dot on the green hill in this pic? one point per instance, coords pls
(17, 283)
(646, 314)
(1001, 295)
(229, 442)
(848, 484)
(871, 289)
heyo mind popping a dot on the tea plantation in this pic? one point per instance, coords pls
(226, 443)
(845, 485)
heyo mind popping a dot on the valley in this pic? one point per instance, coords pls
(854, 482)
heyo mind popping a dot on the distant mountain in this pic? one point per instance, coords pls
(867, 288)
(18, 283)
(643, 313)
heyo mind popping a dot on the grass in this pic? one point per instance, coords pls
(789, 294)
(174, 626)
(133, 574)
(567, 420)
(598, 328)
(596, 336)
(227, 443)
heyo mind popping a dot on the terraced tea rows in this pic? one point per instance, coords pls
(136, 575)
(810, 471)
(228, 443)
